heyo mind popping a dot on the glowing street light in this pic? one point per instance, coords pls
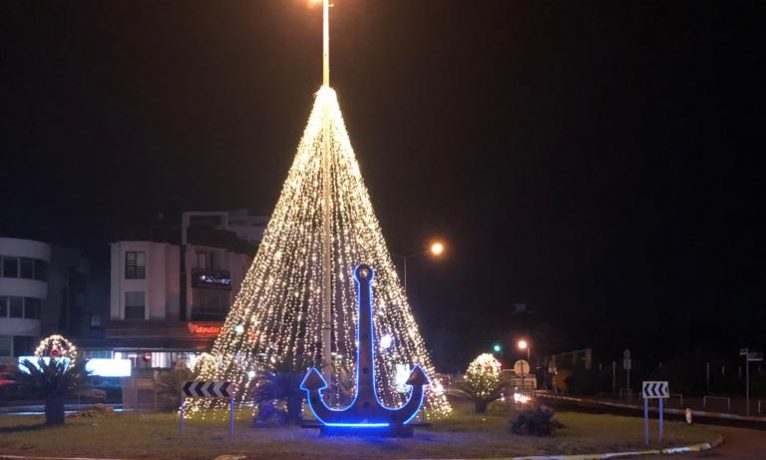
(436, 249)
(522, 344)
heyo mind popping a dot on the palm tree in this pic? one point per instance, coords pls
(281, 382)
(52, 380)
(170, 384)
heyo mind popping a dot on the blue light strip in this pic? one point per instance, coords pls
(358, 425)
(374, 382)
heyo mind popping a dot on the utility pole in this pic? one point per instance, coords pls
(327, 367)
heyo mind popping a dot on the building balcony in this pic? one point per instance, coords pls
(209, 313)
(211, 279)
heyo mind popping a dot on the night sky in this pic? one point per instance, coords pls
(597, 161)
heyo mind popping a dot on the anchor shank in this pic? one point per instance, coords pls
(365, 378)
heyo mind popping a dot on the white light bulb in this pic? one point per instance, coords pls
(386, 341)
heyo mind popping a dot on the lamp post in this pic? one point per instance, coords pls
(523, 344)
(436, 249)
(326, 324)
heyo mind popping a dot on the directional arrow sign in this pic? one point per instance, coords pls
(655, 389)
(202, 389)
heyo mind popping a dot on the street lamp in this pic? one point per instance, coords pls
(436, 249)
(524, 345)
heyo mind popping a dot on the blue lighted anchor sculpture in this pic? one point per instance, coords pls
(366, 413)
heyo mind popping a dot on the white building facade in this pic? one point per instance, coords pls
(23, 294)
(149, 323)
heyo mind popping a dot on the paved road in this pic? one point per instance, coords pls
(740, 444)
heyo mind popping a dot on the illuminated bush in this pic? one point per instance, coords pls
(483, 381)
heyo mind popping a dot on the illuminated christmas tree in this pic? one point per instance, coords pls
(278, 313)
(298, 303)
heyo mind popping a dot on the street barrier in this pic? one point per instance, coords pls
(706, 397)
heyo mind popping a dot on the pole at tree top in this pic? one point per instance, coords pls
(326, 210)
(326, 42)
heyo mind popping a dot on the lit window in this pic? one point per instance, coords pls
(135, 265)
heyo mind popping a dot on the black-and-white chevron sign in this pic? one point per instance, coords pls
(201, 389)
(655, 390)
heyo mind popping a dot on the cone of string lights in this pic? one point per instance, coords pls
(277, 315)
(297, 304)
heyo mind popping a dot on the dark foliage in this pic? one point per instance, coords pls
(538, 421)
(52, 381)
(280, 384)
(170, 385)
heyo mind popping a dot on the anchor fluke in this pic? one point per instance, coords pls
(313, 381)
(418, 377)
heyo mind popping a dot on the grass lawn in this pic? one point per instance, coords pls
(464, 434)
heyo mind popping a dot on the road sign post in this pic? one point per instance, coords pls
(626, 365)
(646, 421)
(654, 390)
(750, 357)
(201, 389)
(661, 424)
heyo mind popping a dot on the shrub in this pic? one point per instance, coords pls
(483, 382)
(280, 383)
(538, 421)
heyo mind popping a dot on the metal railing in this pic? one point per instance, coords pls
(626, 393)
(706, 397)
(680, 398)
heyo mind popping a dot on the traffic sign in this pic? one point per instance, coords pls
(202, 389)
(655, 389)
(659, 390)
(521, 367)
(755, 356)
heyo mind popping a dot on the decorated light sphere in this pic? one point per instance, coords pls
(56, 346)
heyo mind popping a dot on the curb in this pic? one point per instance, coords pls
(699, 447)
(22, 457)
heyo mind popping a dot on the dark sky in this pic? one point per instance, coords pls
(598, 161)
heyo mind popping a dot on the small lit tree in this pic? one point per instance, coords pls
(52, 380)
(483, 381)
(54, 374)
